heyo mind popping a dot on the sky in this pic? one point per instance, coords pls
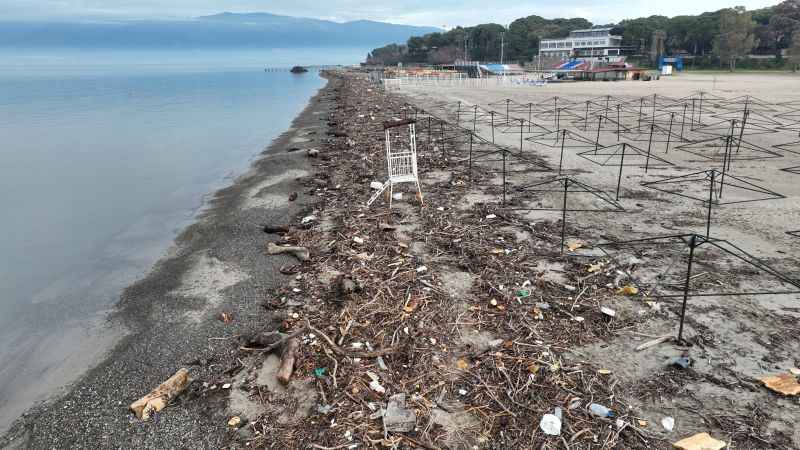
(440, 13)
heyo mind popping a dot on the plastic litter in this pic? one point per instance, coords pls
(668, 423)
(397, 417)
(550, 424)
(600, 410)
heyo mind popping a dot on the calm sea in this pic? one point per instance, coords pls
(104, 157)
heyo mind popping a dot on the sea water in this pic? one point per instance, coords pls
(104, 157)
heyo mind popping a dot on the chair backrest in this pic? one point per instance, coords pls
(402, 163)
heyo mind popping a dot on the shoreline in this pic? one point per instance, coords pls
(171, 312)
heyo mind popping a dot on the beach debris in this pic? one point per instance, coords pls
(608, 311)
(628, 289)
(286, 368)
(668, 423)
(572, 246)
(225, 317)
(603, 372)
(397, 196)
(308, 219)
(375, 382)
(551, 423)
(784, 383)
(700, 441)
(276, 229)
(300, 253)
(358, 240)
(312, 153)
(654, 342)
(397, 417)
(491, 216)
(600, 410)
(683, 361)
(235, 422)
(159, 397)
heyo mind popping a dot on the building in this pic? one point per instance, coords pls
(596, 42)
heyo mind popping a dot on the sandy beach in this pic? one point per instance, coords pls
(459, 314)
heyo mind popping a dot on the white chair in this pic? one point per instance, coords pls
(402, 163)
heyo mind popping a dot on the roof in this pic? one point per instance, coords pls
(592, 29)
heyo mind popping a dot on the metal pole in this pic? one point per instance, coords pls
(692, 245)
(641, 105)
(504, 176)
(618, 122)
(470, 155)
(710, 200)
(492, 114)
(621, 162)
(474, 117)
(669, 133)
(683, 121)
(458, 114)
(521, 125)
(564, 215)
(530, 107)
(597, 139)
(649, 146)
(507, 102)
(441, 128)
(586, 117)
(561, 159)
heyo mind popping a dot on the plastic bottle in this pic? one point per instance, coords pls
(600, 410)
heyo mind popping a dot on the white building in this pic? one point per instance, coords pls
(596, 42)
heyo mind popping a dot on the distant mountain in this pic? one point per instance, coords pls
(219, 30)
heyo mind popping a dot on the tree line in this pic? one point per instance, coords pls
(726, 35)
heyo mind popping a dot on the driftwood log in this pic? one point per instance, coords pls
(300, 253)
(159, 397)
(287, 360)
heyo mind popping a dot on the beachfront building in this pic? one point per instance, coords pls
(595, 42)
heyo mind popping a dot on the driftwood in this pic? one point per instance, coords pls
(159, 397)
(300, 253)
(287, 360)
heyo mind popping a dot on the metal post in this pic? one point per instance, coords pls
(741, 129)
(621, 162)
(474, 117)
(641, 106)
(530, 108)
(561, 159)
(492, 114)
(564, 215)
(507, 102)
(693, 103)
(700, 110)
(521, 124)
(586, 117)
(710, 200)
(470, 155)
(683, 121)
(649, 147)
(597, 139)
(669, 133)
(725, 164)
(429, 132)
(441, 128)
(458, 114)
(692, 245)
(504, 176)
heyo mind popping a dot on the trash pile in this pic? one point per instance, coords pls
(435, 326)
(448, 325)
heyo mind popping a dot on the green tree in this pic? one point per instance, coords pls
(736, 36)
(794, 51)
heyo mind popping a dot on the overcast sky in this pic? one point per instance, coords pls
(438, 13)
